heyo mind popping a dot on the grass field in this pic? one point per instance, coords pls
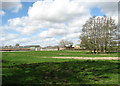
(31, 68)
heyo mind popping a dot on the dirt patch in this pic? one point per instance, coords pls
(91, 58)
(64, 54)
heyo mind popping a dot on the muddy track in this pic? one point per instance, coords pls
(91, 58)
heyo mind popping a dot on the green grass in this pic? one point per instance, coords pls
(30, 68)
(33, 57)
(58, 54)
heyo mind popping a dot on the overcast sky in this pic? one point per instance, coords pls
(47, 22)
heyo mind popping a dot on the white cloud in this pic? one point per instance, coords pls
(13, 5)
(2, 13)
(52, 32)
(72, 36)
(26, 26)
(57, 11)
(110, 9)
(96, 0)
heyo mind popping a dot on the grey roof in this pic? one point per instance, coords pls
(33, 46)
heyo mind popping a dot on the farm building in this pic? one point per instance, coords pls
(76, 47)
(21, 48)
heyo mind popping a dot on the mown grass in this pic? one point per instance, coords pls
(28, 57)
(58, 54)
(30, 68)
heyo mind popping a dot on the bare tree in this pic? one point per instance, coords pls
(17, 45)
(65, 43)
(98, 34)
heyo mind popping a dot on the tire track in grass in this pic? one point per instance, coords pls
(91, 58)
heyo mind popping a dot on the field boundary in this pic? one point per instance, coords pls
(90, 58)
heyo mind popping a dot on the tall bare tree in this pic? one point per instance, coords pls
(98, 34)
(65, 43)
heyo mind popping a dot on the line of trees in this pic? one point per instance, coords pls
(11, 45)
(99, 34)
